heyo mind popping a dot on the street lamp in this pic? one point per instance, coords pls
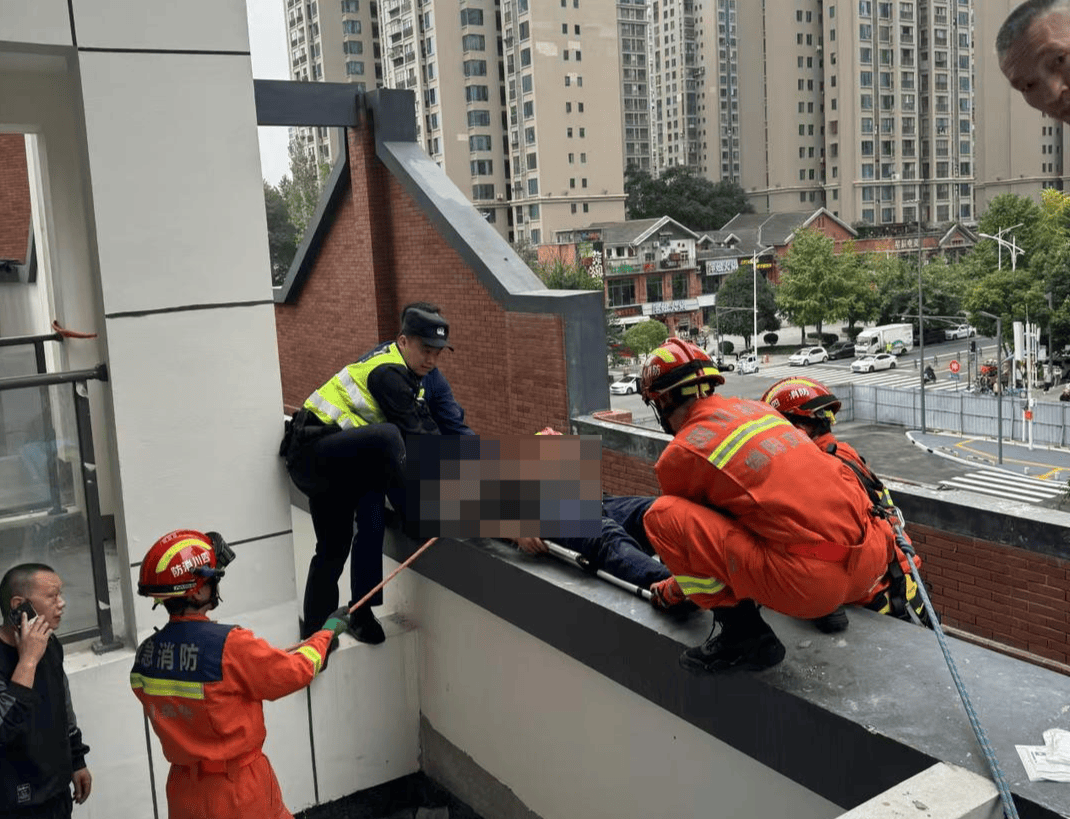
(754, 269)
(999, 382)
(1011, 246)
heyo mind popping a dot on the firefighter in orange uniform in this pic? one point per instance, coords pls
(202, 685)
(811, 407)
(738, 524)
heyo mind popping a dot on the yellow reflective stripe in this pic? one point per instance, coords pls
(317, 401)
(699, 585)
(732, 444)
(156, 687)
(174, 550)
(664, 355)
(356, 397)
(314, 657)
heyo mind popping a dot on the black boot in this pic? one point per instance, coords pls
(744, 643)
(365, 628)
(832, 623)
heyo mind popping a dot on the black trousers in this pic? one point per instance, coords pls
(60, 806)
(347, 476)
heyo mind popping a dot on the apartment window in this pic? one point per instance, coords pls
(352, 47)
(583, 159)
(525, 56)
(532, 161)
(482, 167)
(533, 187)
(867, 170)
(568, 107)
(568, 80)
(471, 17)
(679, 286)
(572, 182)
(583, 182)
(474, 42)
(579, 57)
(482, 192)
(476, 93)
(533, 211)
(865, 31)
(350, 6)
(480, 142)
(479, 117)
(529, 136)
(572, 207)
(475, 68)
(865, 79)
(351, 26)
(583, 133)
(585, 207)
(353, 67)
(529, 109)
(525, 83)
(568, 133)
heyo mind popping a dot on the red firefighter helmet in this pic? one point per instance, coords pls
(802, 398)
(674, 373)
(181, 562)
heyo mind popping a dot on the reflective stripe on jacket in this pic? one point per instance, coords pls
(345, 400)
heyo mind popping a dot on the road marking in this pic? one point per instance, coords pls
(1005, 485)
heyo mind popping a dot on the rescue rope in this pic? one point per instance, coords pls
(1009, 809)
(391, 576)
(59, 328)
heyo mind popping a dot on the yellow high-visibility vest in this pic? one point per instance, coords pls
(345, 400)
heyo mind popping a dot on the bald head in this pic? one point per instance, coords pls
(1033, 46)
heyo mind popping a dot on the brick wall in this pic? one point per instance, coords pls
(14, 198)
(998, 593)
(382, 251)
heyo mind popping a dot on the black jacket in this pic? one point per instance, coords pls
(40, 744)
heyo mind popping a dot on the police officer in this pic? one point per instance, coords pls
(202, 684)
(345, 449)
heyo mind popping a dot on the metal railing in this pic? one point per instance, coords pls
(77, 380)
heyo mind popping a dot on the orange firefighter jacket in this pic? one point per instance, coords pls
(202, 685)
(745, 459)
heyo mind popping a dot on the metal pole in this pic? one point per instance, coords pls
(921, 328)
(754, 271)
(999, 385)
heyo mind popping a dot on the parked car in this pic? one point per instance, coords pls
(841, 349)
(962, 331)
(807, 356)
(870, 363)
(628, 385)
(723, 364)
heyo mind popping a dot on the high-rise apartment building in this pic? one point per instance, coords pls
(335, 41)
(531, 108)
(676, 75)
(863, 106)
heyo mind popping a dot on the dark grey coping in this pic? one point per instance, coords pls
(846, 716)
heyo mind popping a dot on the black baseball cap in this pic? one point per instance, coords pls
(430, 328)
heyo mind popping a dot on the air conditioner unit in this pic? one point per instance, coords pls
(500, 197)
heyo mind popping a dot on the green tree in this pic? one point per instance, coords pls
(282, 235)
(735, 305)
(559, 275)
(862, 297)
(301, 189)
(681, 194)
(645, 336)
(817, 285)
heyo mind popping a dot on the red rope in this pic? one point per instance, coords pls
(70, 333)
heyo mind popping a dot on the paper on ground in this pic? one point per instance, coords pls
(1051, 761)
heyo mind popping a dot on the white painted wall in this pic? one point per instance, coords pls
(567, 741)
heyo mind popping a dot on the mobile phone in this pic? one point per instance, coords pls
(25, 607)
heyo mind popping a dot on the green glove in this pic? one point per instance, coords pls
(338, 622)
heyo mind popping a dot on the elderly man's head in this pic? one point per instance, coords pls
(1033, 46)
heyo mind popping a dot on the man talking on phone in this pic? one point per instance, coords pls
(41, 750)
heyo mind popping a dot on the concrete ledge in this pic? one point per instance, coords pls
(847, 717)
(941, 792)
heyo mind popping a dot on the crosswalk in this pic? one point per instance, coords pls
(1006, 485)
(903, 377)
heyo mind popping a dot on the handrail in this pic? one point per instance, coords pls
(16, 341)
(98, 373)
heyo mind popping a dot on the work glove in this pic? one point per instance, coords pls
(666, 593)
(338, 622)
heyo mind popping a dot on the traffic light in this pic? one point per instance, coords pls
(973, 346)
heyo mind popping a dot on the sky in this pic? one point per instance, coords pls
(267, 41)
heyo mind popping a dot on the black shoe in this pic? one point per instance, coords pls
(744, 643)
(832, 623)
(681, 611)
(365, 628)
